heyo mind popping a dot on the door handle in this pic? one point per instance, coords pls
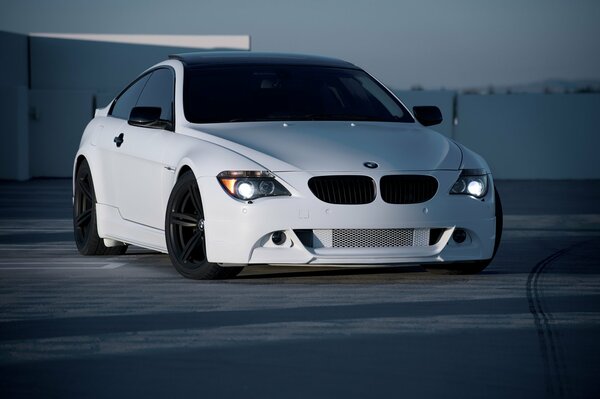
(119, 140)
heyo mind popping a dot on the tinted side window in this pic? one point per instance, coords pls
(128, 99)
(159, 93)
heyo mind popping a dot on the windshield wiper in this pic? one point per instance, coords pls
(251, 120)
(316, 117)
(342, 117)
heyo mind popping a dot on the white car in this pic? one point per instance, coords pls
(229, 159)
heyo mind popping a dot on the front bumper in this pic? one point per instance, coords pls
(239, 233)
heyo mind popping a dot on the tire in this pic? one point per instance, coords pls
(185, 235)
(85, 227)
(475, 266)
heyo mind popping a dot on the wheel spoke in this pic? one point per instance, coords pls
(192, 244)
(184, 219)
(84, 218)
(85, 189)
(196, 198)
(202, 242)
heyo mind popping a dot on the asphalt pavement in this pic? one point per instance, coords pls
(130, 326)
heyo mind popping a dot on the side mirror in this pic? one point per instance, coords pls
(428, 115)
(148, 117)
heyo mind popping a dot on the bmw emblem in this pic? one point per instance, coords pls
(371, 165)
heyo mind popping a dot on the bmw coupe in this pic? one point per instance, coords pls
(229, 159)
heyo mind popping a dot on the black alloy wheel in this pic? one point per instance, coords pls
(185, 233)
(84, 216)
(475, 266)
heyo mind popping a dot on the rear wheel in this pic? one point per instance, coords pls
(185, 235)
(84, 216)
(476, 266)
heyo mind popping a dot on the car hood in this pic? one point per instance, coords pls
(335, 146)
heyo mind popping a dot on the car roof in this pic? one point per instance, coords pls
(214, 58)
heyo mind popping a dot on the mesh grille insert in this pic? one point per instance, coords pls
(370, 238)
(347, 190)
(408, 189)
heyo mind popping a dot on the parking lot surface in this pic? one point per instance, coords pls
(130, 326)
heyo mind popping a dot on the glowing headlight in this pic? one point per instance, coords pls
(472, 182)
(476, 188)
(249, 185)
(244, 189)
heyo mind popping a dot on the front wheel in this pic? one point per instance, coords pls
(476, 266)
(185, 234)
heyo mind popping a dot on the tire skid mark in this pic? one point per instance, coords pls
(554, 367)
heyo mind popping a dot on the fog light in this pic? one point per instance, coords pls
(278, 237)
(459, 236)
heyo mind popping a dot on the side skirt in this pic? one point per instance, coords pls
(112, 226)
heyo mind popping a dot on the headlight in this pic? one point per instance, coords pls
(249, 185)
(471, 182)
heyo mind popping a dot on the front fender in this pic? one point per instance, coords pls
(203, 158)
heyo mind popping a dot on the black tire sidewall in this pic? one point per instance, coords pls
(91, 244)
(92, 237)
(499, 220)
(476, 266)
(207, 270)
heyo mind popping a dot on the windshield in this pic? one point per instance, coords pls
(285, 93)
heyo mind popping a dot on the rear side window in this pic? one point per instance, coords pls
(127, 100)
(159, 93)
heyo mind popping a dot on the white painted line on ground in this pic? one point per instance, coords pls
(76, 266)
(54, 262)
(112, 265)
(44, 247)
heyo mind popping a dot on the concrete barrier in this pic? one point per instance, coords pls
(49, 88)
(533, 136)
(14, 68)
(57, 120)
(14, 134)
(61, 64)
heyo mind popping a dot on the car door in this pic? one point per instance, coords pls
(107, 133)
(139, 171)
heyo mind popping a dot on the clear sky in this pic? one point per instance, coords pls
(434, 43)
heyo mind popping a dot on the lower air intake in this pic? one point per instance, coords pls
(370, 238)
